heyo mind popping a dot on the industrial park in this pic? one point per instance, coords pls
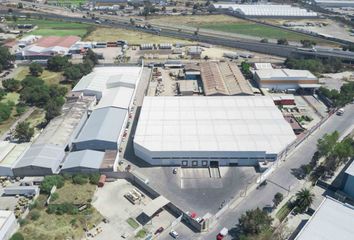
(176, 120)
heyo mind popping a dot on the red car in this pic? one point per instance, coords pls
(219, 237)
(159, 230)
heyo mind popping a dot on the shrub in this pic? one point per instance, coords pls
(79, 179)
(34, 215)
(54, 197)
(17, 236)
(50, 181)
(63, 208)
(94, 178)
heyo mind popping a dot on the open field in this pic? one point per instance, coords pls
(83, 193)
(133, 37)
(67, 2)
(36, 117)
(48, 77)
(234, 25)
(66, 226)
(56, 28)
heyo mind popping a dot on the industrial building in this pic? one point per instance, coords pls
(10, 153)
(46, 47)
(8, 224)
(348, 187)
(88, 161)
(331, 220)
(223, 78)
(334, 3)
(204, 131)
(115, 88)
(265, 10)
(103, 130)
(285, 79)
(46, 154)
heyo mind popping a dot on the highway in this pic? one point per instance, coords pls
(202, 36)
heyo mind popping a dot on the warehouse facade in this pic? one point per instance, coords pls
(204, 131)
(285, 79)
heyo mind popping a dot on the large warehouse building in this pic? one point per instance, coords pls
(266, 10)
(203, 131)
(332, 220)
(284, 79)
(115, 89)
(48, 151)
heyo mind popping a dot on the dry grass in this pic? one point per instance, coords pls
(133, 37)
(83, 193)
(195, 20)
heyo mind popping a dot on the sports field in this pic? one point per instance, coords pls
(56, 28)
(67, 2)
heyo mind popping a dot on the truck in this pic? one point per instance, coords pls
(223, 233)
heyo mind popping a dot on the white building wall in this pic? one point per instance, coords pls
(9, 227)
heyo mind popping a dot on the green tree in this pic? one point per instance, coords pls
(283, 41)
(35, 69)
(50, 181)
(91, 55)
(57, 63)
(11, 85)
(326, 144)
(5, 111)
(254, 222)
(52, 110)
(5, 58)
(304, 199)
(2, 93)
(23, 132)
(17, 236)
(73, 73)
(246, 69)
(278, 197)
(80, 179)
(308, 43)
(264, 40)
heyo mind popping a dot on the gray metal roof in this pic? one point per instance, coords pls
(86, 158)
(104, 124)
(42, 155)
(350, 169)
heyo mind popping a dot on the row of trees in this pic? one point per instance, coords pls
(316, 66)
(335, 154)
(339, 98)
(6, 59)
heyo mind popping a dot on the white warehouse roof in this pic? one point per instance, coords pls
(230, 123)
(332, 220)
(119, 97)
(267, 10)
(103, 78)
(284, 74)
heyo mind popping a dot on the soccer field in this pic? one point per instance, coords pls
(56, 28)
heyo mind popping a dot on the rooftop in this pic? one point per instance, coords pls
(104, 124)
(350, 169)
(237, 124)
(119, 97)
(332, 220)
(11, 152)
(285, 74)
(103, 78)
(60, 129)
(86, 158)
(223, 78)
(53, 41)
(4, 217)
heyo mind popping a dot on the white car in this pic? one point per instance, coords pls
(174, 234)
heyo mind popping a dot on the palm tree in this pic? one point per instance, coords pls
(304, 199)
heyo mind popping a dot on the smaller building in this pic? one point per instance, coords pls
(88, 161)
(331, 220)
(223, 78)
(187, 87)
(8, 224)
(286, 79)
(10, 153)
(195, 52)
(334, 3)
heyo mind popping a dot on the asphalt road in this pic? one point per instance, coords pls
(282, 178)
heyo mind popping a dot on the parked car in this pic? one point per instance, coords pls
(222, 234)
(174, 234)
(159, 230)
(174, 171)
